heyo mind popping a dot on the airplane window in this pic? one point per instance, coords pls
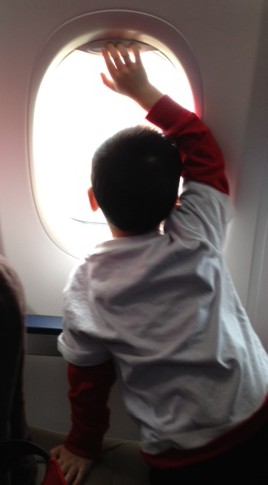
(74, 113)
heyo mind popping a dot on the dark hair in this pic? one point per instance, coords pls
(135, 178)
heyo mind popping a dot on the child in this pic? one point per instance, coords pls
(159, 306)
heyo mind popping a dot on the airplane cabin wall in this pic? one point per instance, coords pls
(229, 43)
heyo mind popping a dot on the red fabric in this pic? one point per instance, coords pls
(89, 392)
(54, 475)
(175, 458)
(200, 154)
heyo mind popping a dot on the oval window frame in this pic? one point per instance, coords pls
(106, 25)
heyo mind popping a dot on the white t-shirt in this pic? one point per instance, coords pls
(164, 307)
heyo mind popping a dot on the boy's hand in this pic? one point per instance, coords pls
(128, 75)
(74, 467)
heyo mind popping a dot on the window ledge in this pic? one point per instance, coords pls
(43, 324)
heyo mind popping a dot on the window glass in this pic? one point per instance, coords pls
(74, 113)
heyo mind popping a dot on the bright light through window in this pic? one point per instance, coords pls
(74, 114)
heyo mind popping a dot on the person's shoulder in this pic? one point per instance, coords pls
(7, 271)
(5, 265)
(77, 275)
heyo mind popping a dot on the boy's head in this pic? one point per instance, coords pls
(135, 178)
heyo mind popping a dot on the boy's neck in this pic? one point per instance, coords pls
(119, 233)
(116, 232)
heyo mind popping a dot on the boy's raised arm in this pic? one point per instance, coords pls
(201, 156)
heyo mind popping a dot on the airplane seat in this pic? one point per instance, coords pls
(121, 462)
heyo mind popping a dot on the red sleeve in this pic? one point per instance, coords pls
(89, 393)
(200, 154)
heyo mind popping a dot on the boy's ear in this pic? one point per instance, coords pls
(92, 200)
(178, 202)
